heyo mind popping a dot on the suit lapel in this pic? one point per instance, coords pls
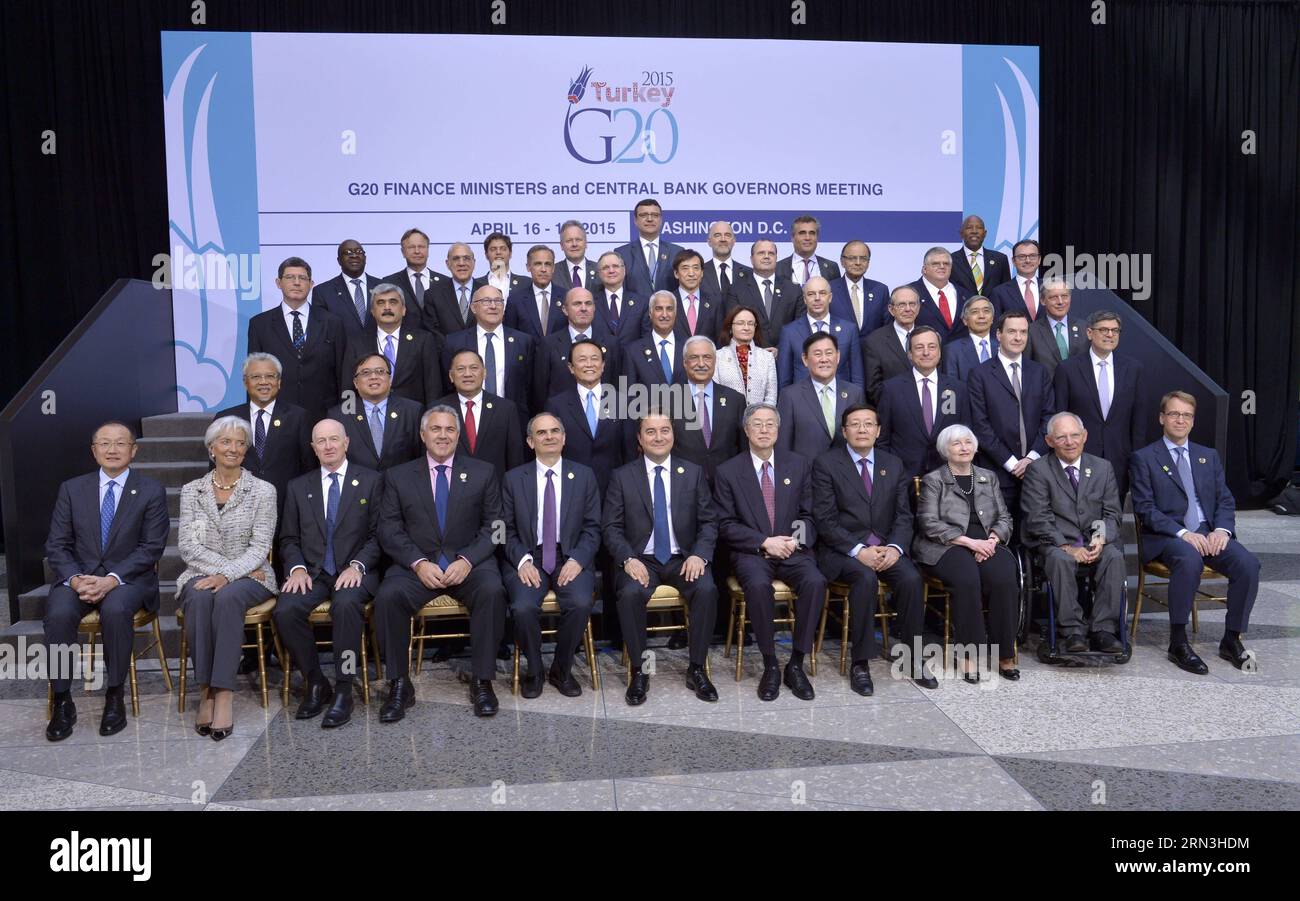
(315, 507)
(643, 489)
(426, 492)
(532, 504)
(677, 478)
(1167, 461)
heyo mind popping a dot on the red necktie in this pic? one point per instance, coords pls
(1029, 301)
(944, 309)
(769, 494)
(471, 433)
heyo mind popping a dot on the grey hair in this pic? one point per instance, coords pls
(1054, 281)
(697, 339)
(573, 223)
(935, 251)
(754, 408)
(1051, 423)
(539, 416)
(970, 300)
(950, 434)
(260, 357)
(670, 295)
(1097, 316)
(226, 424)
(387, 288)
(440, 408)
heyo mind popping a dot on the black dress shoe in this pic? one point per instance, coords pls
(340, 711)
(114, 719)
(1233, 651)
(1185, 657)
(63, 716)
(530, 686)
(220, 734)
(797, 681)
(1076, 644)
(484, 698)
(860, 680)
(401, 694)
(318, 694)
(1106, 643)
(564, 683)
(247, 663)
(637, 688)
(769, 684)
(677, 641)
(923, 678)
(698, 682)
(1012, 674)
(971, 676)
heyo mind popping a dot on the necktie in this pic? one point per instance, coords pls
(723, 280)
(820, 325)
(1073, 472)
(490, 364)
(767, 297)
(975, 271)
(471, 432)
(259, 435)
(592, 419)
(548, 523)
(419, 289)
(702, 402)
(769, 493)
(807, 271)
(1030, 305)
(544, 309)
(856, 297)
(984, 350)
(665, 361)
(577, 278)
(1020, 413)
(377, 429)
(1060, 340)
(828, 410)
(652, 261)
(359, 299)
(1192, 518)
(872, 538)
(613, 312)
(299, 337)
(945, 309)
(106, 511)
(464, 304)
(331, 517)
(662, 542)
(927, 406)
(440, 503)
(1103, 390)
(390, 353)
(692, 315)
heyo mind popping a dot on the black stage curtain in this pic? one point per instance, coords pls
(1142, 149)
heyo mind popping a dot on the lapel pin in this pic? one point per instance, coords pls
(778, 290)
(521, 358)
(489, 406)
(360, 418)
(837, 328)
(844, 395)
(436, 279)
(663, 256)
(883, 473)
(982, 479)
(681, 470)
(1087, 473)
(1198, 460)
(133, 490)
(363, 500)
(510, 338)
(409, 336)
(870, 295)
(723, 401)
(787, 481)
(706, 304)
(276, 423)
(647, 351)
(570, 474)
(393, 415)
(355, 483)
(464, 476)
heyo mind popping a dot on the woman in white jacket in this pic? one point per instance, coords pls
(743, 362)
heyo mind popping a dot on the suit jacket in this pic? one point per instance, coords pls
(1043, 348)
(288, 446)
(499, 431)
(789, 355)
(419, 371)
(710, 310)
(960, 356)
(408, 518)
(564, 275)
(335, 295)
(787, 303)
(603, 453)
(579, 526)
(994, 412)
(441, 313)
(828, 269)
(641, 362)
(728, 436)
(628, 521)
(1160, 501)
(734, 271)
(884, 358)
(356, 525)
(311, 376)
(803, 428)
(631, 314)
(523, 366)
(553, 368)
(522, 315)
(1052, 514)
(235, 541)
(415, 316)
(846, 515)
(1115, 437)
(943, 513)
(875, 304)
(996, 271)
(1008, 296)
(742, 516)
(930, 314)
(136, 538)
(902, 427)
(638, 279)
(402, 441)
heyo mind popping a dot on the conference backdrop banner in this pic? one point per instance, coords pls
(284, 145)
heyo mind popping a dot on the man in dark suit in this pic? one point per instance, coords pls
(811, 408)
(525, 304)
(978, 345)
(575, 271)
(817, 320)
(764, 503)
(975, 267)
(778, 301)
(447, 302)
(308, 343)
(1023, 292)
(656, 359)
(660, 528)
(722, 272)
(622, 312)
(593, 435)
(416, 278)
(1189, 518)
(383, 429)
(804, 263)
(1011, 401)
(1107, 393)
(436, 525)
(412, 354)
(648, 258)
(700, 311)
(864, 523)
(884, 351)
(1071, 514)
(709, 432)
(490, 427)
(941, 300)
(581, 323)
(552, 518)
(919, 404)
(330, 549)
(347, 295)
(1056, 336)
(515, 370)
(498, 248)
(861, 300)
(106, 536)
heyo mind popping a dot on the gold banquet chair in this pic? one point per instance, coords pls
(320, 616)
(442, 607)
(783, 595)
(551, 607)
(90, 627)
(1160, 571)
(666, 600)
(838, 593)
(257, 618)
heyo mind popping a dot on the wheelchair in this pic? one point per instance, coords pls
(1036, 587)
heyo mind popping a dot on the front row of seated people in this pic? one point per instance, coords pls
(433, 526)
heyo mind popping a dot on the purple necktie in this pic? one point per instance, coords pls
(1073, 472)
(807, 271)
(927, 406)
(577, 278)
(702, 401)
(548, 525)
(872, 539)
(769, 494)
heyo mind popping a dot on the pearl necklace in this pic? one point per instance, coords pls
(958, 484)
(231, 486)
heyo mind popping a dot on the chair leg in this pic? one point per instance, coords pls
(626, 667)
(740, 639)
(1137, 607)
(514, 679)
(591, 658)
(821, 628)
(287, 666)
(162, 655)
(844, 640)
(379, 661)
(261, 664)
(49, 699)
(731, 622)
(180, 703)
(365, 668)
(90, 670)
(135, 688)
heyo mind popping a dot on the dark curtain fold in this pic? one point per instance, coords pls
(1142, 136)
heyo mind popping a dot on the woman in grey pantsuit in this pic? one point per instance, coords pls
(226, 528)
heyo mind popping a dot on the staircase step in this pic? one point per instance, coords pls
(31, 604)
(172, 475)
(170, 450)
(175, 425)
(173, 502)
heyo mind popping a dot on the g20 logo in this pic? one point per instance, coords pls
(639, 142)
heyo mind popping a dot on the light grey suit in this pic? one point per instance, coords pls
(942, 512)
(1054, 517)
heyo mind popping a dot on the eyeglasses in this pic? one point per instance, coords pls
(489, 301)
(272, 377)
(763, 426)
(113, 445)
(295, 278)
(370, 373)
(1026, 257)
(1105, 329)
(1179, 415)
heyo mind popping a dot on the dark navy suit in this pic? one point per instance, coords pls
(789, 355)
(875, 303)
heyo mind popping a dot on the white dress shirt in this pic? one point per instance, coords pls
(826, 327)
(381, 337)
(1006, 362)
(498, 351)
(645, 251)
(670, 349)
(902, 334)
(500, 282)
(253, 409)
(796, 263)
(1096, 375)
(668, 494)
(304, 313)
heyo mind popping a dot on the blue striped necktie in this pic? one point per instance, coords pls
(106, 511)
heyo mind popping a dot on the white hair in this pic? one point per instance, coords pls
(951, 434)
